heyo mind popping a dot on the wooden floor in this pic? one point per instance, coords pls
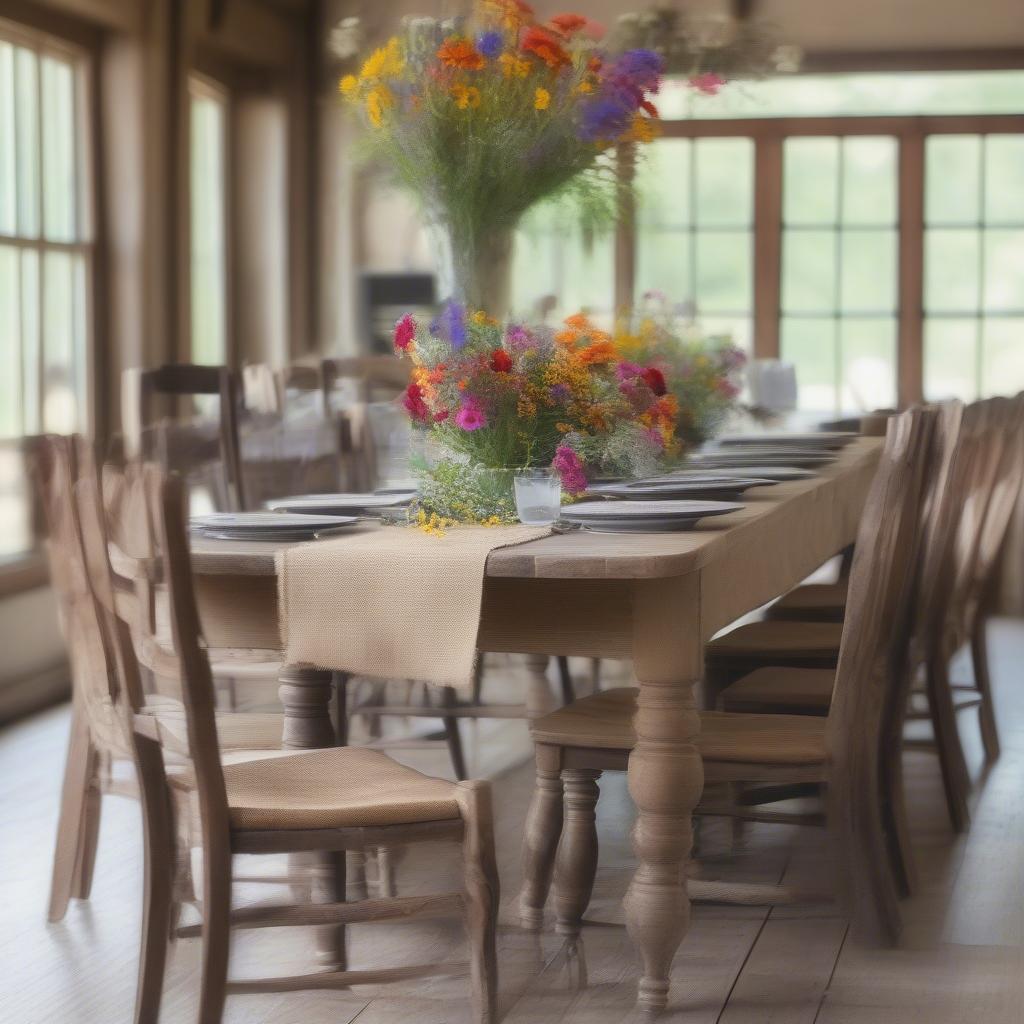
(960, 960)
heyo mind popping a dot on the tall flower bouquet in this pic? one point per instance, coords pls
(702, 372)
(494, 398)
(482, 119)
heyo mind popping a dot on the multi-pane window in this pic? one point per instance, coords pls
(208, 224)
(45, 258)
(839, 274)
(974, 265)
(695, 221)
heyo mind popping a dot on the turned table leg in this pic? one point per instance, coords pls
(665, 778)
(305, 695)
(539, 697)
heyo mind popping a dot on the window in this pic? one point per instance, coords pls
(974, 265)
(45, 256)
(208, 225)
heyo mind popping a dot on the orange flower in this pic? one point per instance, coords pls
(579, 321)
(543, 43)
(600, 351)
(460, 53)
(568, 24)
(466, 96)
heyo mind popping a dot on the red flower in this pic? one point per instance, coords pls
(414, 404)
(501, 361)
(543, 43)
(650, 108)
(461, 54)
(568, 24)
(405, 332)
(654, 379)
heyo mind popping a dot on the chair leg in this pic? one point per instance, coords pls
(339, 682)
(385, 872)
(542, 832)
(453, 736)
(480, 871)
(216, 928)
(79, 815)
(159, 851)
(955, 778)
(983, 681)
(565, 680)
(576, 863)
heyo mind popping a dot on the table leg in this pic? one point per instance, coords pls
(665, 777)
(539, 697)
(305, 695)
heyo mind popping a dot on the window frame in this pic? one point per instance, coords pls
(769, 135)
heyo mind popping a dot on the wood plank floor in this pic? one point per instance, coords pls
(960, 959)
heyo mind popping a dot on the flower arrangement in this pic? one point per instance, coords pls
(494, 398)
(700, 372)
(482, 119)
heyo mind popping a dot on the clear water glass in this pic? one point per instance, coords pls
(538, 496)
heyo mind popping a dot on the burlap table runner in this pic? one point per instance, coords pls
(391, 603)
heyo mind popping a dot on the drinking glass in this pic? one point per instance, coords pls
(538, 496)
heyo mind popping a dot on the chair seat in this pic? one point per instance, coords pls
(795, 642)
(340, 787)
(786, 690)
(814, 602)
(605, 720)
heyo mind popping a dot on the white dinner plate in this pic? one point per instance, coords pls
(340, 504)
(811, 439)
(269, 525)
(645, 515)
(720, 488)
(775, 474)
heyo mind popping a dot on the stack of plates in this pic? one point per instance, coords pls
(815, 439)
(266, 526)
(341, 504)
(771, 474)
(734, 457)
(644, 516)
(720, 487)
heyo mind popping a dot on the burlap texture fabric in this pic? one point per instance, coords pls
(391, 603)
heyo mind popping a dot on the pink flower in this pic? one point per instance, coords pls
(470, 415)
(628, 371)
(707, 82)
(405, 332)
(569, 467)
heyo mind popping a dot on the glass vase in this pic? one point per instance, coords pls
(481, 269)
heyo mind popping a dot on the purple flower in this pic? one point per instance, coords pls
(642, 69)
(569, 467)
(450, 325)
(490, 43)
(628, 371)
(518, 338)
(559, 392)
(608, 115)
(470, 415)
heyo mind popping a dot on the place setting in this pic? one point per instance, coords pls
(269, 526)
(696, 486)
(644, 516)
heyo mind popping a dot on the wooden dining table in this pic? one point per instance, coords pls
(652, 598)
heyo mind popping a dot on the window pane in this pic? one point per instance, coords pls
(811, 346)
(58, 150)
(587, 278)
(10, 344)
(725, 180)
(810, 181)
(663, 182)
(952, 179)
(1004, 165)
(60, 401)
(533, 272)
(951, 270)
(724, 271)
(8, 199)
(663, 264)
(15, 525)
(869, 181)
(868, 369)
(1002, 356)
(738, 328)
(26, 101)
(1004, 270)
(31, 342)
(209, 284)
(950, 359)
(868, 282)
(809, 272)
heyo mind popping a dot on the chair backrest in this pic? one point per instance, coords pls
(59, 466)
(373, 378)
(154, 428)
(883, 588)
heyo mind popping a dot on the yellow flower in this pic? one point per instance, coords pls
(584, 87)
(385, 62)
(643, 129)
(481, 319)
(513, 66)
(541, 99)
(378, 100)
(466, 96)
(348, 85)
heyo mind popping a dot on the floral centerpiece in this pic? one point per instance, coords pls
(482, 119)
(702, 372)
(494, 398)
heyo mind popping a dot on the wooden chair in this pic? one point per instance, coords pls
(844, 752)
(320, 803)
(182, 444)
(99, 752)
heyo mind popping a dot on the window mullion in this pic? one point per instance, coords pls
(768, 185)
(910, 293)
